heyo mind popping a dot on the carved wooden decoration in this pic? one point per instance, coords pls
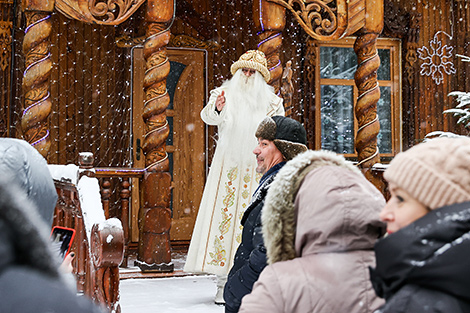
(109, 12)
(326, 20)
(309, 87)
(406, 25)
(175, 41)
(5, 44)
(287, 88)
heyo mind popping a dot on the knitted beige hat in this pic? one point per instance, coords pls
(436, 173)
(253, 59)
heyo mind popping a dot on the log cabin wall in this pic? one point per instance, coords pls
(90, 88)
(461, 80)
(425, 97)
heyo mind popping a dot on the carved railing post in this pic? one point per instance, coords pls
(368, 88)
(154, 253)
(38, 66)
(125, 195)
(270, 20)
(105, 195)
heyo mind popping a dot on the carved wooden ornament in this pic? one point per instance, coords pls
(110, 12)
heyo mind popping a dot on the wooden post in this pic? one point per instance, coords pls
(270, 20)
(154, 253)
(125, 195)
(38, 65)
(105, 195)
(368, 88)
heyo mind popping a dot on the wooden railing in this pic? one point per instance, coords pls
(125, 175)
(98, 244)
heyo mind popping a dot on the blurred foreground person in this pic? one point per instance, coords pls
(423, 264)
(320, 223)
(279, 140)
(30, 279)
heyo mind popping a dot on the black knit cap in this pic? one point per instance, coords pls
(288, 135)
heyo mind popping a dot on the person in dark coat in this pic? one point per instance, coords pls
(30, 279)
(279, 140)
(422, 265)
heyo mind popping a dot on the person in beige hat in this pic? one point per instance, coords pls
(236, 108)
(422, 265)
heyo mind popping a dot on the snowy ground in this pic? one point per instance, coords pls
(194, 294)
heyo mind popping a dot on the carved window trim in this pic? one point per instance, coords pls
(395, 84)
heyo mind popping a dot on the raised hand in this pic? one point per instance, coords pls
(220, 101)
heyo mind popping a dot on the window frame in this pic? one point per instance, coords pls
(395, 83)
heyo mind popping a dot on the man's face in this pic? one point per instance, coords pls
(267, 155)
(248, 71)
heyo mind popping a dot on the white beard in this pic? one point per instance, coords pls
(247, 103)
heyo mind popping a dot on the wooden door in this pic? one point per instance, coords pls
(186, 142)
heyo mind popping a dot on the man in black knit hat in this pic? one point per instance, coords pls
(279, 140)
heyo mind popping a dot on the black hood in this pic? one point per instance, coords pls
(22, 165)
(432, 252)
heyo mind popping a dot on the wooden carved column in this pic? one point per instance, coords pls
(155, 215)
(368, 88)
(38, 66)
(270, 20)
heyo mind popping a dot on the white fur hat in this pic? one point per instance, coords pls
(255, 60)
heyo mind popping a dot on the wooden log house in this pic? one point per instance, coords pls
(126, 80)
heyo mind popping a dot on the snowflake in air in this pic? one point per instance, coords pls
(436, 60)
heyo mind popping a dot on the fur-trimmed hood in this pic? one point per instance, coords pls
(318, 203)
(22, 165)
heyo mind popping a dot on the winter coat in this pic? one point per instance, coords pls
(30, 280)
(424, 267)
(22, 165)
(320, 223)
(250, 258)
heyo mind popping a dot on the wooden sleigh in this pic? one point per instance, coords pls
(99, 241)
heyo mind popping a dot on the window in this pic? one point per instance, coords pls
(336, 96)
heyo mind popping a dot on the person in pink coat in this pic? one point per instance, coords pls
(320, 223)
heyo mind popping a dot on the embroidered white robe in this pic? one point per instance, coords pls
(228, 190)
